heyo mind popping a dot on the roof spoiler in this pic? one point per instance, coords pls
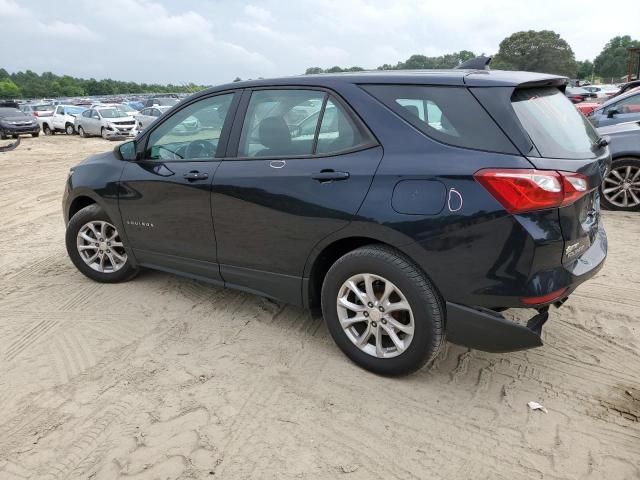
(478, 63)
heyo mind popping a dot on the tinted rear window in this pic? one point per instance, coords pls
(555, 126)
(450, 115)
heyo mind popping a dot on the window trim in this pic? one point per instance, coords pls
(225, 133)
(243, 107)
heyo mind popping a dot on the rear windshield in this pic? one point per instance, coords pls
(450, 115)
(555, 126)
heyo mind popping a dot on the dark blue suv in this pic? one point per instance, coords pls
(408, 206)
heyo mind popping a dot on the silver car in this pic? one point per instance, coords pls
(109, 122)
(149, 114)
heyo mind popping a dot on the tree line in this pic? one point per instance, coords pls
(31, 85)
(535, 51)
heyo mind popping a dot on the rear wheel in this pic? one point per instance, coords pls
(47, 130)
(68, 129)
(96, 248)
(382, 311)
(621, 186)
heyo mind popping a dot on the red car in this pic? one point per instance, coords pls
(587, 107)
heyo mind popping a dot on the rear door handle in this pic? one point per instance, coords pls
(195, 175)
(329, 176)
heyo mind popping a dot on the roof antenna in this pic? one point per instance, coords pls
(478, 63)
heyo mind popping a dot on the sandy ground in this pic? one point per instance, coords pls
(167, 378)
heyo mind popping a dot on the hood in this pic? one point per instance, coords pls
(97, 158)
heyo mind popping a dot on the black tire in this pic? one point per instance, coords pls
(3, 135)
(15, 136)
(88, 214)
(68, 129)
(620, 165)
(424, 300)
(36, 134)
(82, 133)
(47, 130)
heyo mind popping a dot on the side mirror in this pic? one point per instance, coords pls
(127, 151)
(612, 112)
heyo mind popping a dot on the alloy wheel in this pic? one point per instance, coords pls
(375, 315)
(69, 130)
(100, 247)
(622, 186)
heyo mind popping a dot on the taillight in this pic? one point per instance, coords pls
(36, 114)
(524, 190)
(549, 297)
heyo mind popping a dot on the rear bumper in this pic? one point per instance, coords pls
(488, 330)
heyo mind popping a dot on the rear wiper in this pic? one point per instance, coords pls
(601, 142)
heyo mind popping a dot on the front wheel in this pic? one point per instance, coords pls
(621, 187)
(96, 248)
(47, 130)
(382, 311)
(35, 134)
(103, 132)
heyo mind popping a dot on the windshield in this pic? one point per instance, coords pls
(12, 112)
(555, 126)
(74, 110)
(112, 113)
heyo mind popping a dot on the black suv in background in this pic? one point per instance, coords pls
(408, 206)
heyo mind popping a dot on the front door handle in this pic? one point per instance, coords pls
(324, 176)
(195, 175)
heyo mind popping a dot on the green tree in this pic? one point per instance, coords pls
(313, 71)
(8, 89)
(585, 70)
(544, 51)
(612, 60)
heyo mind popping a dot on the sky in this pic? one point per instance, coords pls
(212, 41)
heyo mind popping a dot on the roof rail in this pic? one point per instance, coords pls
(478, 63)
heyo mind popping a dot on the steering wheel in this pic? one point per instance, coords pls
(200, 149)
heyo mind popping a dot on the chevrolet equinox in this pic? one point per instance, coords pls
(407, 206)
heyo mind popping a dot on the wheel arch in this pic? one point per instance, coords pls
(78, 203)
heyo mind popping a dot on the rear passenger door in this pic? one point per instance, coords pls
(301, 164)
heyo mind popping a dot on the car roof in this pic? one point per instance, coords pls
(453, 77)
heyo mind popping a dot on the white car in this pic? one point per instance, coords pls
(62, 120)
(602, 91)
(37, 109)
(148, 115)
(121, 106)
(109, 122)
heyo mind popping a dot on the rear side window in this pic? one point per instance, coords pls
(296, 122)
(450, 115)
(555, 126)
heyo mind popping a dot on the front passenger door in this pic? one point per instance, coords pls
(165, 195)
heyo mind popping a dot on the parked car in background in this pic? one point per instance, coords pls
(38, 109)
(148, 115)
(578, 94)
(626, 87)
(14, 122)
(621, 187)
(602, 91)
(109, 122)
(404, 225)
(587, 107)
(161, 101)
(62, 120)
(619, 109)
(136, 105)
